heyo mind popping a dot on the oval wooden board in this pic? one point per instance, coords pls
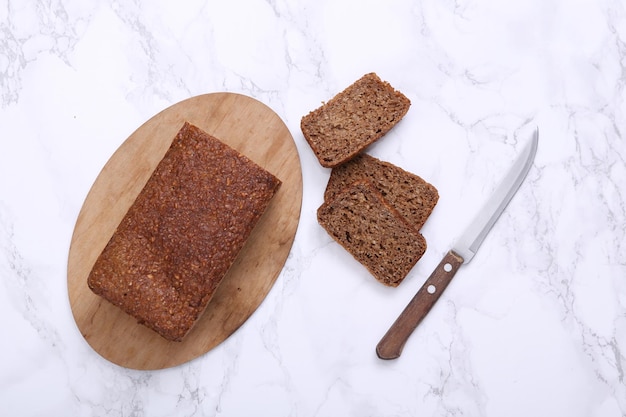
(254, 130)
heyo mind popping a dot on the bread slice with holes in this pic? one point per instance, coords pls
(406, 192)
(353, 119)
(376, 235)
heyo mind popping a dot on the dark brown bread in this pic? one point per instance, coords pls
(377, 236)
(406, 192)
(353, 119)
(181, 235)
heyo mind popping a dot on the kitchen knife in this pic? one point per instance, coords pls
(390, 346)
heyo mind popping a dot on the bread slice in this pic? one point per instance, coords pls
(180, 236)
(406, 192)
(353, 119)
(376, 235)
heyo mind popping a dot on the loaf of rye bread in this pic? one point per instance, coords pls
(406, 192)
(376, 235)
(353, 119)
(180, 236)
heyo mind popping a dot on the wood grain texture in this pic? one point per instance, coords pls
(248, 126)
(391, 345)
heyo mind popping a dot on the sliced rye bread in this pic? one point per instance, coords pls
(353, 119)
(376, 235)
(406, 192)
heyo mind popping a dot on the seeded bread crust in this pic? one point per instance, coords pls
(173, 247)
(406, 192)
(353, 119)
(376, 235)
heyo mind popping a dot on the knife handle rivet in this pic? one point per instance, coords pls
(447, 267)
(431, 289)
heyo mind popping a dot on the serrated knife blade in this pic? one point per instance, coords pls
(462, 252)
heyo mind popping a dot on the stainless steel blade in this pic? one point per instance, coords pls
(392, 343)
(471, 239)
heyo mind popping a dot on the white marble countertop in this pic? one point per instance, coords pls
(535, 325)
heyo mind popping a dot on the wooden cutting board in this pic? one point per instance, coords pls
(254, 130)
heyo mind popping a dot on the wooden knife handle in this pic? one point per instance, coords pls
(390, 346)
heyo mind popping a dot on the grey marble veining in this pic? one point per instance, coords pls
(534, 325)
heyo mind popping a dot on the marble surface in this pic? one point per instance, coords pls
(535, 325)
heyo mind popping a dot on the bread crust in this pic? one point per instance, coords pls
(376, 235)
(409, 194)
(353, 119)
(180, 236)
